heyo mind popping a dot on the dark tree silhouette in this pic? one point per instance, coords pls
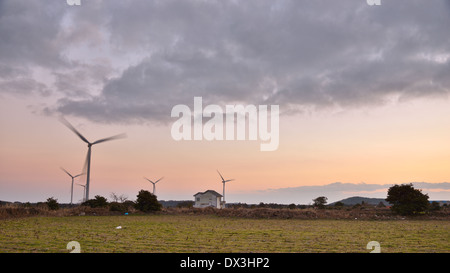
(406, 200)
(147, 202)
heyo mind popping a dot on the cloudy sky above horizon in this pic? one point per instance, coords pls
(363, 92)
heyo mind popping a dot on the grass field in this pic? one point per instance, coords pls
(209, 233)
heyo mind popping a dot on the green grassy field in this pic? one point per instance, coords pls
(208, 233)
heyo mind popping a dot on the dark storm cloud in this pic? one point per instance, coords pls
(294, 53)
(28, 30)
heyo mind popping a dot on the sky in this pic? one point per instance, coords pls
(363, 95)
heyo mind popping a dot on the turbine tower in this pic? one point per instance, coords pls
(223, 182)
(71, 191)
(84, 191)
(87, 163)
(154, 183)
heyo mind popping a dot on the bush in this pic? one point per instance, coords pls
(185, 204)
(147, 202)
(52, 203)
(116, 206)
(121, 207)
(435, 206)
(98, 202)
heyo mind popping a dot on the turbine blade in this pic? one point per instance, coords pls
(65, 122)
(220, 175)
(149, 180)
(159, 180)
(228, 180)
(110, 138)
(78, 175)
(66, 172)
(84, 171)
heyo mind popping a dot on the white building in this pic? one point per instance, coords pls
(208, 198)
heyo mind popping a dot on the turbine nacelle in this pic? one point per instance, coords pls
(70, 174)
(154, 183)
(223, 182)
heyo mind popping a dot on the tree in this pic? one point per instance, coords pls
(147, 202)
(320, 202)
(98, 202)
(406, 200)
(52, 203)
(118, 198)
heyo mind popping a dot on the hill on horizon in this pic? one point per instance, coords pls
(350, 201)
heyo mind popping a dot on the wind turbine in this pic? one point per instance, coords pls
(223, 182)
(153, 183)
(71, 191)
(87, 163)
(84, 191)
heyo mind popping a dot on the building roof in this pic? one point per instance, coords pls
(210, 191)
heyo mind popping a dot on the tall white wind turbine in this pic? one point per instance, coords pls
(223, 182)
(73, 177)
(88, 156)
(154, 183)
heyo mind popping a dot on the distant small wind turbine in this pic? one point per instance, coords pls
(223, 182)
(88, 156)
(154, 183)
(71, 191)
